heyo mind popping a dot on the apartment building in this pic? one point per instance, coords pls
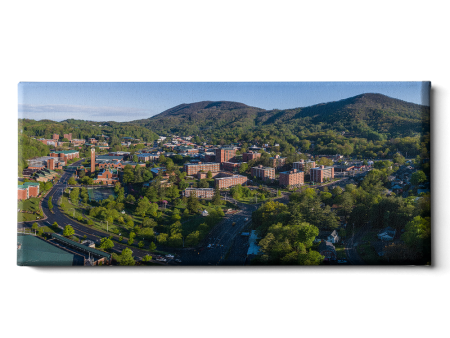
(230, 181)
(68, 136)
(199, 192)
(49, 162)
(225, 154)
(147, 157)
(194, 168)
(318, 174)
(263, 173)
(55, 137)
(250, 156)
(292, 178)
(303, 165)
(210, 157)
(277, 161)
(230, 166)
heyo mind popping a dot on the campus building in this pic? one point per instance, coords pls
(230, 181)
(304, 165)
(44, 175)
(147, 157)
(27, 190)
(92, 160)
(107, 176)
(68, 136)
(277, 161)
(199, 192)
(230, 166)
(250, 156)
(55, 137)
(194, 168)
(210, 157)
(263, 173)
(77, 142)
(225, 154)
(292, 178)
(49, 162)
(66, 155)
(320, 173)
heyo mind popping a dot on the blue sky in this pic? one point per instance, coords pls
(127, 101)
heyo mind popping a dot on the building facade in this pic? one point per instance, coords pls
(303, 165)
(230, 181)
(194, 168)
(292, 178)
(68, 136)
(250, 156)
(277, 161)
(225, 155)
(199, 192)
(230, 166)
(27, 190)
(321, 173)
(263, 173)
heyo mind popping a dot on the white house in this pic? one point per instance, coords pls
(333, 237)
(205, 213)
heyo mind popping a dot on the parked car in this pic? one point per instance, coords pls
(246, 218)
(169, 256)
(178, 260)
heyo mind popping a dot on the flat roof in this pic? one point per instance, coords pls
(202, 163)
(80, 246)
(228, 177)
(264, 168)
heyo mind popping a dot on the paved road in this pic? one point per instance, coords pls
(63, 220)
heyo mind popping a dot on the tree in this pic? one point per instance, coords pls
(147, 258)
(209, 174)
(131, 239)
(398, 158)
(418, 177)
(74, 196)
(193, 238)
(141, 244)
(106, 243)
(216, 198)
(243, 168)
(126, 258)
(68, 231)
(35, 226)
(152, 246)
(72, 181)
(143, 206)
(48, 185)
(192, 203)
(55, 225)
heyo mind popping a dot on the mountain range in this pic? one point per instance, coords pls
(377, 112)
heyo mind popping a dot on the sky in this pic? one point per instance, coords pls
(128, 101)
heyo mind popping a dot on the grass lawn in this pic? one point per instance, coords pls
(25, 217)
(31, 204)
(340, 251)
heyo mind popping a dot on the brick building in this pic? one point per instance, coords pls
(107, 176)
(304, 165)
(199, 192)
(92, 160)
(230, 166)
(250, 156)
(292, 178)
(44, 175)
(55, 137)
(194, 168)
(210, 157)
(39, 163)
(27, 190)
(225, 155)
(230, 181)
(77, 142)
(65, 155)
(277, 161)
(147, 157)
(320, 173)
(263, 173)
(68, 136)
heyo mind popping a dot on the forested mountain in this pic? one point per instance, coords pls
(188, 119)
(374, 113)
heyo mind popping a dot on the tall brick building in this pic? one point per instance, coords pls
(304, 165)
(277, 161)
(292, 178)
(230, 181)
(225, 155)
(68, 136)
(194, 168)
(65, 155)
(250, 156)
(320, 173)
(55, 137)
(263, 173)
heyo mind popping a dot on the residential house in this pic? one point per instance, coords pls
(387, 234)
